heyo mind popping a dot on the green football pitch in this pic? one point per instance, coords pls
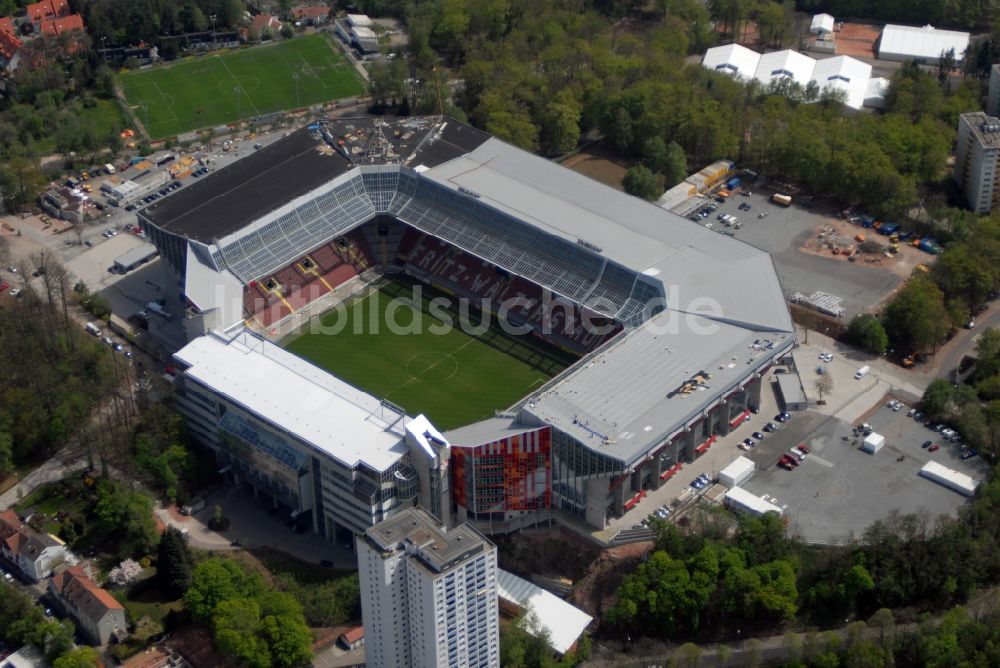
(211, 90)
(453, 377)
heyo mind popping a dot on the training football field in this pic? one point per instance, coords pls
(453, 377)
(212, 90)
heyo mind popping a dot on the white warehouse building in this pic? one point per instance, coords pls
(843, 73)
(740, 500)
(925, 45)
(822, 24)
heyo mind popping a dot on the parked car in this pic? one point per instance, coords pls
(770, 427)
(934, 448)
(757, 435)
(927, 444)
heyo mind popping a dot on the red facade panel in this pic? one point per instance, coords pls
(514, 473)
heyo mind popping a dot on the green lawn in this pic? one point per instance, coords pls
(208, 91)
(453, 377)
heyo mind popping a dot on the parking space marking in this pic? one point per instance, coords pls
(819, 460)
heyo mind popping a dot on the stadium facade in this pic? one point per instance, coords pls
(674, 325)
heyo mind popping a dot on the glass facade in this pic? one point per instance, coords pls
(572, 465)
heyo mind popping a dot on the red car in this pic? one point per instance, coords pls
(934, 448)
(3, 286)
(803, 448)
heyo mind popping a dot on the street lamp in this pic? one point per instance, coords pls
(295, 75)
(104, 49)
(212, 16)
(239, 107)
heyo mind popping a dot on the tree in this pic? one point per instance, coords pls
(216, 580)
(174, 562)
(938, 399)
(125, 573)
(560, 127)
(129, 514)
(641, 182)
(824, 385)
(916, 319)
(866, 332)
(81, 657)
(675, 165)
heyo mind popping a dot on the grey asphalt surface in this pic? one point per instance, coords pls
(782, 233)
(839, 490)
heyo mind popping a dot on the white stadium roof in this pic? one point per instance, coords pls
(846, 74)
(564, 623)
(732, 59)
(296, 396)
(923, 43)
(785, 64)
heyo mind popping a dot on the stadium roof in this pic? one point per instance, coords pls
(621, 402)
(246, 189)
(732, 59)
(725, 310)
(563, 622)
(846, 74)
(784, 64)
(298, 397)
(485, 431)
(923, 43)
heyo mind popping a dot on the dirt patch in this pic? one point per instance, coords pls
(601, 164)
(196, 646)
(843, 235)
(595, 592)
(857, 40)
(559, 553)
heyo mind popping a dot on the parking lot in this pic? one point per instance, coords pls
(782, 232)
(838, 490)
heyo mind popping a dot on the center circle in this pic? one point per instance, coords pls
(432, 367)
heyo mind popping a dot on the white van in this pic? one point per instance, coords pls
(93, 329)
(862, 372)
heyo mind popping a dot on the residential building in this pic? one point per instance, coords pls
(993, 94)
(428, 596)
(28, 656)
(72, 23)
(10, 45)
(352, 638)
(64, 203)
(357, 31)
(313, 15)
(266, 24)
(976, 154)
(100, 617)
(47, 10)
(34, 553)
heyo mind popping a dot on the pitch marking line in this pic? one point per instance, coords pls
(239, 83)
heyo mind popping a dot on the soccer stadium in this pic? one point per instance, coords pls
(623, 339)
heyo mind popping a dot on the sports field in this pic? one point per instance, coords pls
(211, 90)
(452, 377)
